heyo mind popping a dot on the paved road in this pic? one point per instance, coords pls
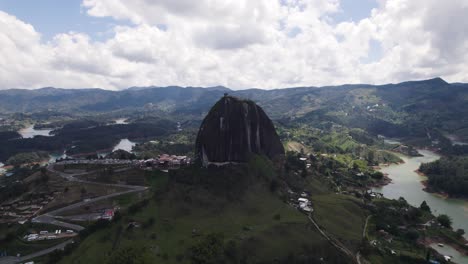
(80, 217)
(14, 260)
(49, 217)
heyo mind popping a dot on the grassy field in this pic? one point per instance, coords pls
(297, 147)
(264, 227)
(341, 216)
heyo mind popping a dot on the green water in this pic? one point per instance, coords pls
(125, 144)
(457, 257)
(30, 132)
(406, 183)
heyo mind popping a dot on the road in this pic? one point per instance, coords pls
(14, 260)
(50, 217)
(337, 244)
(359, 259)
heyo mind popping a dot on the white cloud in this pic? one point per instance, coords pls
(241, 44)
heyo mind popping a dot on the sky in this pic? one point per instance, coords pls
(116, 44)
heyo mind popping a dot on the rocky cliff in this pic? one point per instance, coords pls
(234, 129)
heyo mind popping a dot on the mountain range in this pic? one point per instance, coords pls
(409, 106)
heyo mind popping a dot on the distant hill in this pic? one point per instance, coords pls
(408, 107)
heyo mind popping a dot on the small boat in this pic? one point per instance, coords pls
(440, 245)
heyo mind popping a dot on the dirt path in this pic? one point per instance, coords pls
(337, 244)
(364, 232)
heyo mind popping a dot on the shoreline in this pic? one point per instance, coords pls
(386, 180)
(428, 188)
(383, 182)
(427, 241)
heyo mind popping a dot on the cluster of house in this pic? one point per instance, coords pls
(6, 121)
(97, 161)
(372, 108)
(22, 210)
(305, 160)
(162, 161)
(300, 201)
(305, 205)
(388, 238)
(165, 161)
(108, 214)
(46, 235)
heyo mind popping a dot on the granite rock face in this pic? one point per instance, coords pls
(233, 130)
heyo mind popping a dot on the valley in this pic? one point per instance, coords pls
(339, 154)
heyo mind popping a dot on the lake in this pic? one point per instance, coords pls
(456, 141)
(2, 170)
(457, 257)
(407, 183)
(30, 132)
(125, 144)
(121, 121)
(55, 156)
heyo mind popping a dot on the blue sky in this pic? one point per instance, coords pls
(234, 43)
(51, 17)
(355, 10)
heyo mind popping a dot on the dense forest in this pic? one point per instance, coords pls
(449, 174)
(83, 137)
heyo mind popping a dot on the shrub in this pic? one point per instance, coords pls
(445, 220)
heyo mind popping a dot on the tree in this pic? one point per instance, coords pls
(412, 235)
(424, 207)
(460, 232)
(445, 220)
(208, 251)
(130, 255)
(371, 157)
(402, 203)
(377, 175)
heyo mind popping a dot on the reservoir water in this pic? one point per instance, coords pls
(125, 144)
(456, 141)
(2, 170)
(457, 257)
(121, 121)
(407, 183)
(30, 132)
(55, 156)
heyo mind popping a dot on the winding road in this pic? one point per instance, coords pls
(338, 245)
(50, 217)
(13, 260)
